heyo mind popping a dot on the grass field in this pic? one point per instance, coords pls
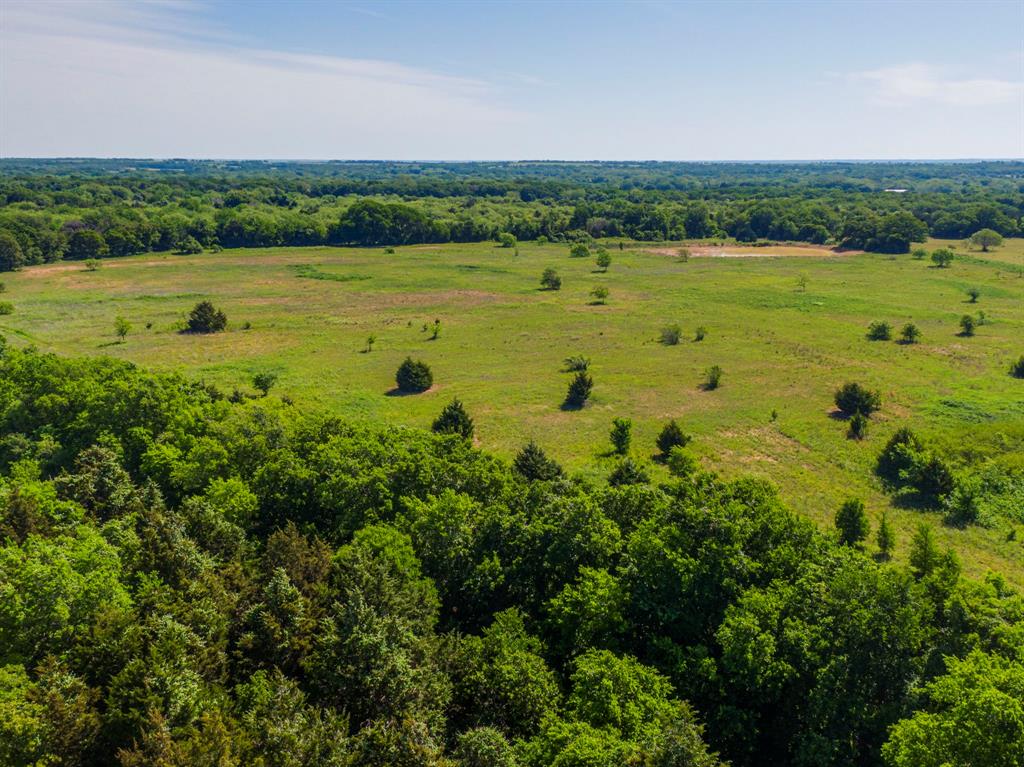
(783, 347)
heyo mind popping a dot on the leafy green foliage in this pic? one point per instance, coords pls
(413, 376)
(454, 420)
(671, 436)
(206, 318)
(879, 331)
(853, 398)
(621, 435)
(550, 280)
(533, 464)
(579, 391)
(852, 522)
(986, 238)
(942, 257)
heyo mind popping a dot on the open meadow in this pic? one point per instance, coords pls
(786, 331)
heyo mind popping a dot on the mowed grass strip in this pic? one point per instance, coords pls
(786, 330)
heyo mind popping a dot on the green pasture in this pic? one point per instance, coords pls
(786, 331)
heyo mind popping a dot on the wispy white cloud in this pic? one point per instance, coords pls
(917, 82)
(118, 79)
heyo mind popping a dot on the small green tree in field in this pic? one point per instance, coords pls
(205, 318)
(924, 552)
(671, 334)
(802, 283)
(534, 464)
(671, 436)
(628, 472)
(599, 294)
(621, 435)
(858, 428)
(714, 378)
(973, 294)
(700, 333)
(92, 264)
(550, 279)
(435, 330)
(986, 238)
(579, 391)
(910, 334)
(1017, 368)
(919, 254)
(576, 363)
(507, 240)
(879, 331)
(680, 463)
(853, 398)
(6, 307)
(603, 260)
(454, 420)
(852, 522)
(886, 538)
(579, 250)
(413, 376)
(122, 327)
(682, 254)
(942, 257)
(967, 325)
(370, 341)
(264, 382)
(189, 245)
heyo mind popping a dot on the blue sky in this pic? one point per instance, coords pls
(423, 80)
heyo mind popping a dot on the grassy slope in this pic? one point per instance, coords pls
(503, 341)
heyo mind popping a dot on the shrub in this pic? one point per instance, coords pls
(122, 327)
(879, 331)
(683, 254)
(389, 251)
(6, 307)
(370, 341)
(204, 318)
(628, 472)
(852, 523)
(919, 254)
(942, 257)
(671, 436)
(670, 335)
(579, 390)
(579, 250)
(264, 382)
(973, 294)
(680, 463)
(572, 364)
(967, 325)
(621, 435)
(435, 330)
(714, 378)
(603, 260)
(910, 334)
(550, 279)
(886, 538)
(507, 240)
(454, 420)
(1017, 368)
(853, 398)
(92, 264)
(898, 455)
(534, 464)
(413, 376)
(987, 238)
(599, 294)
(700, 333)
(189, 245)
(858, 428)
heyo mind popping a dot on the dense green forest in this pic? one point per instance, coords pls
(81, 209)
(193, 579)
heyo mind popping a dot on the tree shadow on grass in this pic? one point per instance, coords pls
(396, 392)
(109, 343)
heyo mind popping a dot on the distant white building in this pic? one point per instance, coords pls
(895, 191)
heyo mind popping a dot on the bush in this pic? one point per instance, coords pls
(603, 260)
(910, 334)
(942, 257)
(534, 464)
(204, 318)
(264, 382)
(671, 436)
(967, 325)
(621, 435)
(413, 376)
(599, 294)
(898, 455)
(122, 327)
(858, 428)
(628, 472)
(879, 331)
(853, 398)
(1017, 368)
(507, 240)
(92, 264)
(886, 538)
(973, 294)
(6, 307)
(550, 279)
(714, 378)
(680, 463)
(189, 245)
(701, 332)
(573, 364)
(454, 420)
(670, 335)
(852, 523)
(919, 254)
(579, 391)
(579, 250)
